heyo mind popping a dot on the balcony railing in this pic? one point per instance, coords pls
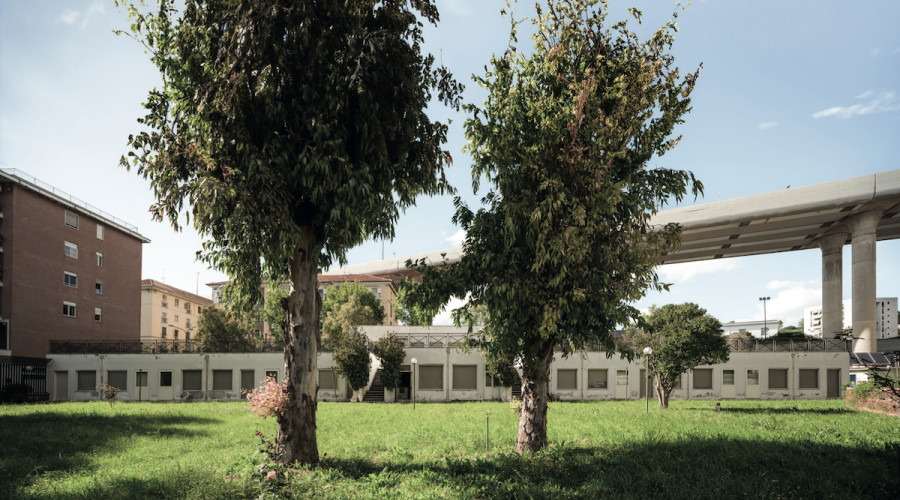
(158, 347)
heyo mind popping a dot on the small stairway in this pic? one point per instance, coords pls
(375, 394)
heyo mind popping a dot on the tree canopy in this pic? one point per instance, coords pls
(341, 293)
(348, 345)
(389, 350)
(222, 331)
(569, 138)
(273, 311)
(287, 132)
(682, 337)
(409, 313)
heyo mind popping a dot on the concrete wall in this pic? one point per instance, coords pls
(449, 359)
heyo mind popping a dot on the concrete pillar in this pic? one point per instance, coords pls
(862, 231)
(832, 246)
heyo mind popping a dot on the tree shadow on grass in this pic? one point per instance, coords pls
(694, 467)
(793, 410)
(46, 442)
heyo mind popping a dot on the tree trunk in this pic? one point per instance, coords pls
(662, 395)
(532, 435)
(296, 437)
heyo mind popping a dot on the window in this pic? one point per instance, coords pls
(431, 378)
(69, 309)
(187, 323)
(326, 380)
(70, 279)
(165, 301)
(99, 259)
(140, 379)
(97, 314)
(118, 379)
(192, 380)
(163, 332)
(176, 334)
(71, 220)
(165, 317)
(98, 287)
(273, 374)
(176, 302)
(187, 307)
(488, 380)
(198, 310)
(87, 381)
(465, 377)
(567, 379)
(727, 377)
(99, 232)
(71, 250)
(221, 380)
(809, 378)
(621, 377)
(247, 380)
(176, 318)
(778, 378)
(703, 378)
(597, 379)
(677, 383)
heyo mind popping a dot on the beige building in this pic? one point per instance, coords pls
(169, 313)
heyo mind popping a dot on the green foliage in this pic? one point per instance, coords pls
(502, 368)
(800, 324)
(566, 136)
(273, 313)
(222, 331)
(280, 115)
(409, 313)
(682, 337)
(15, 393)
(349, 346)
(341, 293)
(389, 350)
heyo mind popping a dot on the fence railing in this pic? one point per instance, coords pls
(158, 347)
(23, 370)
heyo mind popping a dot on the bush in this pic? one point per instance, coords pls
(15, 393)
(389, 350)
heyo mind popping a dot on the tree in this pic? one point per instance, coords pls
(501, 368)
(564, 244)
(682, 337)
(389, 350)
(349, 346)
(340, 294)
(293, 131)
(273, 311)
(222, 331)
(409, 313)
(800, 325)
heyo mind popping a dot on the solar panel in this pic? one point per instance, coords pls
(868, 358)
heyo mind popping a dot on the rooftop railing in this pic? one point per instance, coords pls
(66, 196)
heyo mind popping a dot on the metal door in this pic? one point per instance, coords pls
(61, 386)
(728, 388)
(165, 385)
(621, 384)
(752, 384)
(834, 383)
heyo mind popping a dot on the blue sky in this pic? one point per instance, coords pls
(791, 93)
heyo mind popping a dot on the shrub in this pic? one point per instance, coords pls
(269, 399)
(15, 393)
(389, 350)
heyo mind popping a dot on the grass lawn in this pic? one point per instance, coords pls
(791, 449)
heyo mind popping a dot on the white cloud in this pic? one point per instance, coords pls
(68, 17)
(879, 103)
(778, 284)
(443, 317)
(456, 239)
(687, 270)
(765, 125)
(95, 8)
(788, 304)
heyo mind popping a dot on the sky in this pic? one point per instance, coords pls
(790, 94)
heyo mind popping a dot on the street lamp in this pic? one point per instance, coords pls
(648, 351)
(765, 323)
(414, 361)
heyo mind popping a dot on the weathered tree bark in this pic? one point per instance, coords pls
(296, 437)
(532, 435)
(662, 395)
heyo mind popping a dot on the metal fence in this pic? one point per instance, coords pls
(22, 370)
(158, 347)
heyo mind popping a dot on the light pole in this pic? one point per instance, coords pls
(647, 352)
(765, 323)
(414, 361)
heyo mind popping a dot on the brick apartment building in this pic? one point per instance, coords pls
(69, 271)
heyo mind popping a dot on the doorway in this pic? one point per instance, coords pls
(621, 384)
(61, 386)
(728, 390)
(833, 383)
(644, 385)
(752, 384)
(166, 391)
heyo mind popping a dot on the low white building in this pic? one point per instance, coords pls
(754, 328)
(885, 318)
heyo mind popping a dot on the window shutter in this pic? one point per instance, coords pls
(326, 380)
(567, 379)
(703, 378)
(778, 378)
(809, 378)
(247, 380)
(192, 380)
(221, 380)
(87, 380)
(118, 379)
(597, 379)
(465, 378)
(431, 377)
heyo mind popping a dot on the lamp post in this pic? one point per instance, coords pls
(765, 322)
(648, 351)
(414, 361)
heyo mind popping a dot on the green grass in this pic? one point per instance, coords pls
(791, 449)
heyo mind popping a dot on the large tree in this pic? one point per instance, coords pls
(567, 136)
(682, 336)
(341, 293)
(409, 313)
(288, 132)
(222, 331)
(273, 310)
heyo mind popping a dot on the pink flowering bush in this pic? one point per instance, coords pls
(269, 399)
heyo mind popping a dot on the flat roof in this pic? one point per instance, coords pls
(781, 221)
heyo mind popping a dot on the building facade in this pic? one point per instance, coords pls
(758, 329)
(69, 271)
(885, 318)
(169, 313)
